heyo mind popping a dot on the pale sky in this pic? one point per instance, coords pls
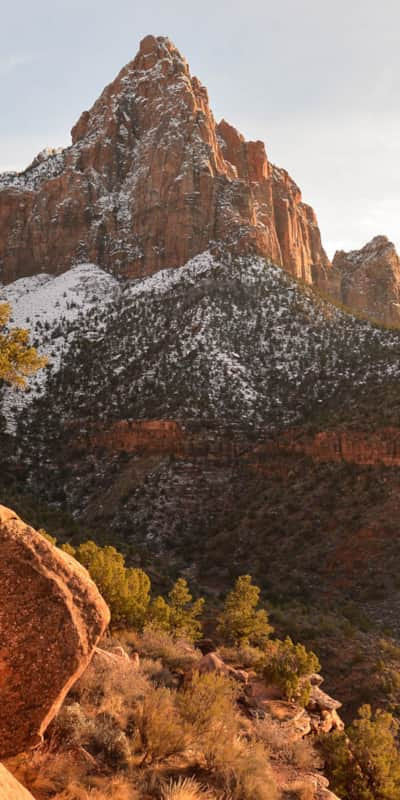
(318, 81)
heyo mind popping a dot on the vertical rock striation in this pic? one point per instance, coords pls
(368, 280)
(150, 181)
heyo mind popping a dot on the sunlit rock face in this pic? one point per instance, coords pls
(10, 788)
(51, 617)
(149, 182)
(369, 280)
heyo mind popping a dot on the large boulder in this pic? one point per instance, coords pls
(10, 789)
(51, 617)
(211, 662)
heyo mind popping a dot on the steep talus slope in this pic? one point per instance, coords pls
(150, 181)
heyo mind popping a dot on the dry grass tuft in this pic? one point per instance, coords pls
(112, 789)
(243, 770)
(161, 729)
(246, 657)
(112, 688)
(185, 789)
(300, 791)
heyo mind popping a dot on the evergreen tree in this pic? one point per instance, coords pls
(183, 613)
(364, 762)
(289, 666)
(240, 622)
(158, 614)
(18, 360)
(126, 591)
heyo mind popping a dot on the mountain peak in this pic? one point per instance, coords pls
(150, 181)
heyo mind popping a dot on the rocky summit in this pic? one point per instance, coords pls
(151, 181)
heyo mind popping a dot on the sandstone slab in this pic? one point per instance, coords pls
(10, 788)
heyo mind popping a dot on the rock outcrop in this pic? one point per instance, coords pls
(366, 448)
(10, 788)
(368, 280)
(150, 181)
(51, 617)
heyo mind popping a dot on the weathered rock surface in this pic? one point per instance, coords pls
(10, 788)
(211, 662)
(150, 181)
(51, 617)
(369, 280)
(320, 715)
(366, 448)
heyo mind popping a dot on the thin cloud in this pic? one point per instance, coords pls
(12, 62)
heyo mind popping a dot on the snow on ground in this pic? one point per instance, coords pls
(234, 339)
(53, 308)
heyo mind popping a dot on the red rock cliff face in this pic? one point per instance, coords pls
(150, 181)
(380, 447)
(369, 280)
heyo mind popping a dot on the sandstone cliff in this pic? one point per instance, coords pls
(150, 181)
(368, 280)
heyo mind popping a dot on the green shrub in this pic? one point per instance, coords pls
(287, 666)
(105, 739)
(179, 615)
(100, 735)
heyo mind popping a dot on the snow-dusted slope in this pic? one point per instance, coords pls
(54, 309)
(239, 342)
